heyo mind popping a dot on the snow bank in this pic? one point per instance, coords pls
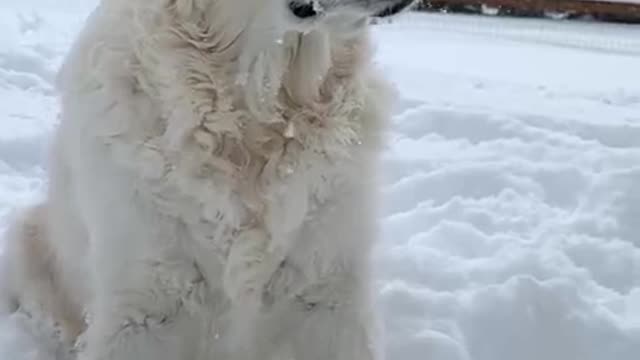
(33, 42)
(511, 203)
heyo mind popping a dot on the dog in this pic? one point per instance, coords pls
(212, 184)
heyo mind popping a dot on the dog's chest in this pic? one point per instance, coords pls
(224, 170)
(280, 193)
(219, 192)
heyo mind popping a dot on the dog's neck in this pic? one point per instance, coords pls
(250, 50)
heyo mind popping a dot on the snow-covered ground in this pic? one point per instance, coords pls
(512, 189)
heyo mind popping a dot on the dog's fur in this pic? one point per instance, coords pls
(212, 186)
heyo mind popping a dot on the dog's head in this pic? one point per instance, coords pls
(300, 15)
(307, 13)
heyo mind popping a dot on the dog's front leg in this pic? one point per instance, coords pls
(334, 330)
(330, 321)
(333, 308)
(135, 335)
(147, 315)
(250, 265)
(146, 290)
(256, 332)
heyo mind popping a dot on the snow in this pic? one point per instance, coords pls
(511, 206)
(510, 226)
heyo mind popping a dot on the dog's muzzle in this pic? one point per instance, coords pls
(309, 9)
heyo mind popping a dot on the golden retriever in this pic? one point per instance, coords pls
(212, 189)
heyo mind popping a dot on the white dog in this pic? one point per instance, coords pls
(212, 184)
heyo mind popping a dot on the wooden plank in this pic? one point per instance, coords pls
(602, 10)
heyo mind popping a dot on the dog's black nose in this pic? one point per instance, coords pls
(302, 10)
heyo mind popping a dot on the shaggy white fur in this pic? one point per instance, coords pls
(212, 185)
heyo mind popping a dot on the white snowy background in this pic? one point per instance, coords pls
(512, 180)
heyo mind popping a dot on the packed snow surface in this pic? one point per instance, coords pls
(512, 181)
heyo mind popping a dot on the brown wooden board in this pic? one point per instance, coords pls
(599, 10)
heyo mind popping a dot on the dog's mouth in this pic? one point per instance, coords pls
(394, 9)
